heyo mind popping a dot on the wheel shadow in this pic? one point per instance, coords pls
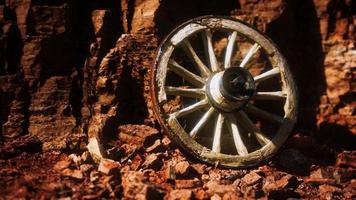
(302, 46)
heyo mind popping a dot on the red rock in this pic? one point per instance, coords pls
(200, 168)
(94, 176)
(136, 163)
(166, 141)
(187, 183)
(155, 147)
(215, 188)
(346, 159)
(63, 164)
(48, 20)
(85, 168)
(109, 167)
(251, 178)
(183, 194)
(134, 187)
(153, 161)
(200, 194)
(286, 182)
(342, 175)
(321, 176)
(185, 170)
(76, 174)
(328, 189)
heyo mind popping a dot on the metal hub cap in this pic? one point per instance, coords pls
(223, 92)
(231, 89)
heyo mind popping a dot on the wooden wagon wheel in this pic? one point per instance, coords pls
(223, 92)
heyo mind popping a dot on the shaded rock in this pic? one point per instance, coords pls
(109, 167)
(94, 176)
(342, 175)
(85, 168)
(153, 161)
(294, 161)
(346, 159)
(134, 187)
(184, 170)
(76, 174)
(323, 175)
(155, 147)
(140, 135)
(329, 192)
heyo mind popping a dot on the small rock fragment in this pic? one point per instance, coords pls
(94, 175)
(251, 178)
(215, 188)
(76, 159)
(181, 194)
(63, 164)
(76, 174)
(187, 183)
(155, 147)
(346, 159)
(153, 161)
(134, 187)
(109, 167)
(86, 167)
(321, 176)
(185, 170)
(286, 182)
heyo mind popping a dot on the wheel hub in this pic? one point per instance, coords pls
(231, 89)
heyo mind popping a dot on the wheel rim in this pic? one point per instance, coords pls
(210, 106)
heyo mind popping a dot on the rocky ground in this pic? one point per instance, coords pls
(71, 71)
(148, 166)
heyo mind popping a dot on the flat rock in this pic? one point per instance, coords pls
(73, 173)
(184, 170)
(62, 164)
(251, 178)
(181, 194)
(187, 183)
(109, 167)
(286, 182)
(153, 161)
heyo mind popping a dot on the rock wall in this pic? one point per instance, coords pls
(70, 68)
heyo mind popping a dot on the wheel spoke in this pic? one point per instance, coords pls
(208, 43)
(185, 92)
(194, 107)
(249, 54)
(187, 75)
(279, 95)
(266, 75)
(261, 138)
(202, 122)
(230, 49)
(217, 134)
(234, 130)
(264, 114)
(195, 58)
